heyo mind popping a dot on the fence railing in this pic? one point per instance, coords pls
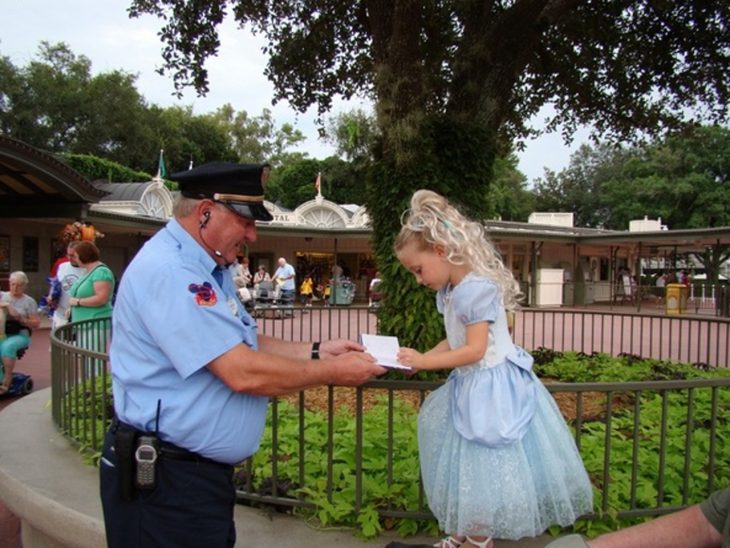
(81, 399)
(698, 297)
(674, 338)
(641, 460)
(683, 338)
(623, 413)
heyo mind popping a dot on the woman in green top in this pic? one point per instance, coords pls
(91, 294)
(91, 298)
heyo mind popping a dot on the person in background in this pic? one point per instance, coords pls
(90, 296)
(306, 290)
(242, 278)
(261, 276)
(241, 272)
(497, 458)
(67, 274)
(191, 376)
(704, 525)
(284, 279)
(374, 290)
(327, 293)
(21, 317)
(661, 287)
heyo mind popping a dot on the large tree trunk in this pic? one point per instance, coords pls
(423, 145)
(450, 157)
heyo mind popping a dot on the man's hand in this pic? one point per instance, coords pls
(330, 349)
(354, 369)
(13, 312)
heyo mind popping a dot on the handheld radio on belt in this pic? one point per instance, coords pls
(137, 455)
(145, 457)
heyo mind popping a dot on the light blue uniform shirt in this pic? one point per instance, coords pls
(171, 318)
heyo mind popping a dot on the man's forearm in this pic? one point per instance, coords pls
(685, 529)
(302, 350)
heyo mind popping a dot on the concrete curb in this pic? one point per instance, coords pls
(44, 481)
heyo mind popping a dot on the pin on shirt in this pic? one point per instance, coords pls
(204, 294)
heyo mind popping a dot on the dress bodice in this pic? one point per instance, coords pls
(473, 300)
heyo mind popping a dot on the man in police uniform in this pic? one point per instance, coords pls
(191, 378)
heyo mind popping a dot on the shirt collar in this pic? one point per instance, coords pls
(189, 248)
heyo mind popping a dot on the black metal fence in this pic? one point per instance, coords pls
(675, 338)
(641, 459)
(638, 423)
(681, 338)
(81, 399)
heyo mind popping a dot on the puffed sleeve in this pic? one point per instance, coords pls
(476, 300)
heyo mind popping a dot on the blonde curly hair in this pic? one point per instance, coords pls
(432, 220)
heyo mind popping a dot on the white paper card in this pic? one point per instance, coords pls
(384, 349)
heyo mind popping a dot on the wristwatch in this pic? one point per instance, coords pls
(315, 350)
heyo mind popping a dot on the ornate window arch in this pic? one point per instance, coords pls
(324, 214)
(156, 202)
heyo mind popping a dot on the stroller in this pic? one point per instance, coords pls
(265, 297)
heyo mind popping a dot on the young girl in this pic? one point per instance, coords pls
(497, 458)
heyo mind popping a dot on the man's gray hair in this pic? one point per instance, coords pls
(184, 206)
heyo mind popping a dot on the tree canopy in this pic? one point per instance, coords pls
(455, 81)
(684, 179)
(56, 103)
(617, 65)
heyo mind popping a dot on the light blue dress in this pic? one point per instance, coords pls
(497, 458)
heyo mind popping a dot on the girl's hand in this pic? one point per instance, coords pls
(410, 357)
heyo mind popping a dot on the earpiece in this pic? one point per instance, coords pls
(206, 220)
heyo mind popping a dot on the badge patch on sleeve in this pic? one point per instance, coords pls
(204, 294)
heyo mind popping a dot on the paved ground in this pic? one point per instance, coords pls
(37, 363)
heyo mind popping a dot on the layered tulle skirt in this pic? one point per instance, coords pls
(510, 479)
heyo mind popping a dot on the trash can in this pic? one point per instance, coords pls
(343, 293)
(683, 298)
(674, 298)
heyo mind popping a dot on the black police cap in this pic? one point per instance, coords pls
(239, 186)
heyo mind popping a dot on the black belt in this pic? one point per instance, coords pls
(170, 450)
(173, 452)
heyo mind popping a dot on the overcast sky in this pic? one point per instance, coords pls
(102, 31)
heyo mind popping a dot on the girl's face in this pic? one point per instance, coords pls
(429, 265)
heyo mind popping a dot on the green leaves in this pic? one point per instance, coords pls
(334, 504)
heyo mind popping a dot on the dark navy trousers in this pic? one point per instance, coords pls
(191, 506)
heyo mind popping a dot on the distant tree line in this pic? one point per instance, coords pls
(57, 104)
